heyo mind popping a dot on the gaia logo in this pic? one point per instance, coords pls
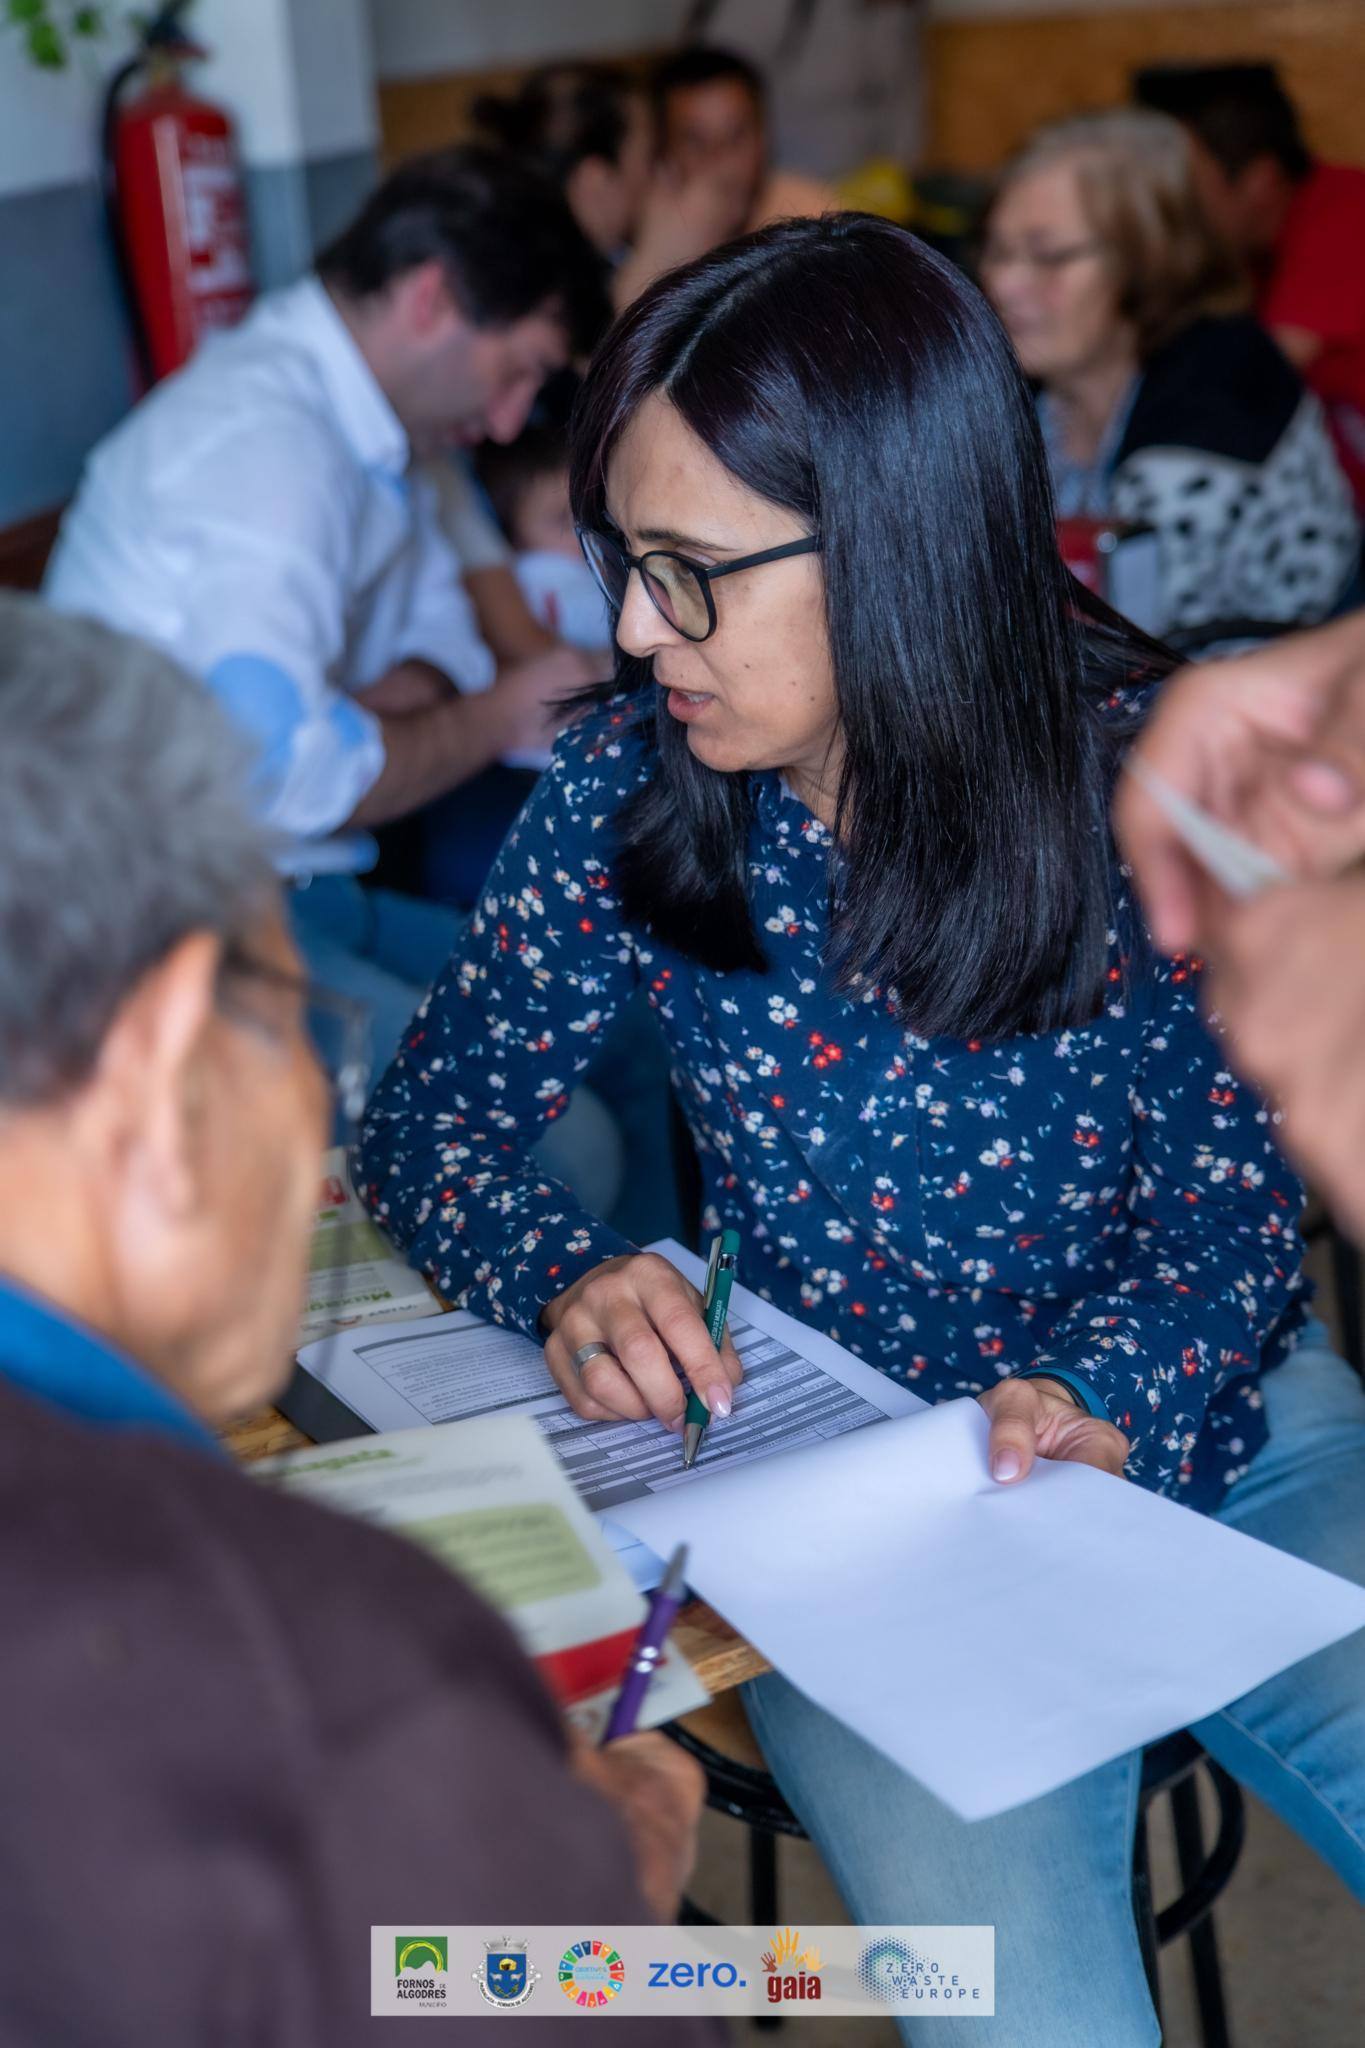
(420, 1962)
(793, 1971)
(591, 1974)
(506, 1978)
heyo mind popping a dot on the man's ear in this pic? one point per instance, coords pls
(154, 1067)
(428, 300)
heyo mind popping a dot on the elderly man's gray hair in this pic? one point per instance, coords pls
(125, 825)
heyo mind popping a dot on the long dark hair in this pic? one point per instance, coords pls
(849, 374)
(560, 116)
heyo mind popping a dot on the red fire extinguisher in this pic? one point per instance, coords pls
(173, 193)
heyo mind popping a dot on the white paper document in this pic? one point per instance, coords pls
(396, 1378)
(995, 1641)
(799, 1389)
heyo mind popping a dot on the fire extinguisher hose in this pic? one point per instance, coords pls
(163, 33)
(109, 188)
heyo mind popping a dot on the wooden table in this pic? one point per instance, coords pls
(720, 1658)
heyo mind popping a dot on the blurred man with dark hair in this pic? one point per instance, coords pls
(1297, 223)
(713, 124)
(260, 517)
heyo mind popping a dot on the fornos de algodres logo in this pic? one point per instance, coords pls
(420, 1963)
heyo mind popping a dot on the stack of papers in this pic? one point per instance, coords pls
(995, 1642)
(355, 1275)
(488, 1499)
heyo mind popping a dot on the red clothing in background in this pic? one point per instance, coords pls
(1318, 284)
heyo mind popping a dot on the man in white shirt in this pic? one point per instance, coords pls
(261, 516)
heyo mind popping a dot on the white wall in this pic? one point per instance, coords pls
(47, 120)
(295, 74)
(415, 37)
(251, 74)
(334, 76)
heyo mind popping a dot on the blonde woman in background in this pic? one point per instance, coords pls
(1162, 401)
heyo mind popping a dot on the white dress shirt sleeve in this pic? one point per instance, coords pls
(468, 523)
(441, 626)
(264, 557)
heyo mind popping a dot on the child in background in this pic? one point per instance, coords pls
(527, 483)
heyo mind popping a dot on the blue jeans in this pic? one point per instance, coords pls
(1055, 1876)
(385, 950)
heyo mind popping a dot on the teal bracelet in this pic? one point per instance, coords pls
(1077, 1398)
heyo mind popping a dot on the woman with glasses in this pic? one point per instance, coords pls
(1162, 402)
(844, 814)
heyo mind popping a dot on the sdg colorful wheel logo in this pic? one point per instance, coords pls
(591, 1974)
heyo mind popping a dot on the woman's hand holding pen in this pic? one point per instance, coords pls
(645, 1315)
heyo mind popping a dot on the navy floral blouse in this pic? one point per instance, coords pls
(1105, 1202)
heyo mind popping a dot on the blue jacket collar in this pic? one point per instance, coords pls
(45, 1353)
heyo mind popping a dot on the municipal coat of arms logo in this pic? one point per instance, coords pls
(506, 1978)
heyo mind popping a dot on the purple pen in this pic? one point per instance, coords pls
(664, 1603)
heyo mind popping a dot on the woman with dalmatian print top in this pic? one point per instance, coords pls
(843, 813)
(1161, 402)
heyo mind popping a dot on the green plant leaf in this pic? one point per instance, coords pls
(87, 21)
(47, 45)
(26, 10)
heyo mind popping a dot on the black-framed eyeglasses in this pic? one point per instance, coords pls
(678, 588)
(339, 1027)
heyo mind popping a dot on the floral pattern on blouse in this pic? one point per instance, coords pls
(1106, 1201)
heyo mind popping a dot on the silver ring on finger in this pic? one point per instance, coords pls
(586, 1353)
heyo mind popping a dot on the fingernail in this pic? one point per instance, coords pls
(718, 1401)
(1005, 1465)
(1325, 786)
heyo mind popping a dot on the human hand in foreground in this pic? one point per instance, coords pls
(1037, 1418)
(645, 1314)
(657, 1789)
(1286, 976)
(1272, 744)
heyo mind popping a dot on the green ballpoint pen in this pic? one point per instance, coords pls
(720, 1278)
